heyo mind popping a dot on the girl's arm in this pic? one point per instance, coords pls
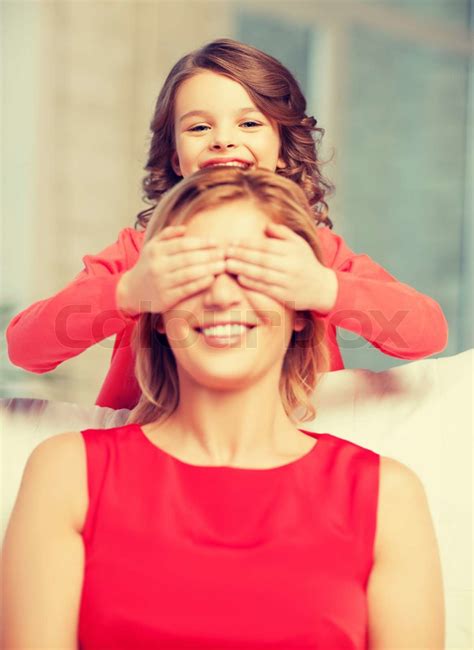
(119, 283)
(394, 317)
(405, 590)
(83, 313)
(43, 553)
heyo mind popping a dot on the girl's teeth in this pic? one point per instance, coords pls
(224, 330)
(231, 164)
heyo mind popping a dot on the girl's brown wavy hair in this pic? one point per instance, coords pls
(274, 91)
(285, 203)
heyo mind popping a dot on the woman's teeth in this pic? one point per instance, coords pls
(232, 329)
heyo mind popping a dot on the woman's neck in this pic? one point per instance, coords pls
(248, 427)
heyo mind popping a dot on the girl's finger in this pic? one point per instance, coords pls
(258, 273)
(257, 257)
(170, 232)
(268, 245)
(270, 290)
(191, 258)
(192, 273)
(190, 289)
(280, 231)
(178, 246)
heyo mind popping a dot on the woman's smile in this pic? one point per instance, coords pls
(228, 334)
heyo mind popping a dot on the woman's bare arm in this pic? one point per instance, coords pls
(42, 555)
(405, 590)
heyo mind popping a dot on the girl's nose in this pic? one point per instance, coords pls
(223, 293)
(223, 140)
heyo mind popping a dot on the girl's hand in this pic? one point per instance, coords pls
(285, 268)
(171, 267)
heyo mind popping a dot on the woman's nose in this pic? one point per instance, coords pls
(223, 292)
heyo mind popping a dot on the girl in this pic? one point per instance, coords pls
(208, 522)
(225, 104)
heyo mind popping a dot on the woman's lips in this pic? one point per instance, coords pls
(225, 336)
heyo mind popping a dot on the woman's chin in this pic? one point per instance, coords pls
(223, 378)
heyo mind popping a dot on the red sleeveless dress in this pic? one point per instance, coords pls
(183, 556)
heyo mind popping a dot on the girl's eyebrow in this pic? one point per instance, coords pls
(201, 113)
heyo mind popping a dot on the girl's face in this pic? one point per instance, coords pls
(217, 122)
(227, 337)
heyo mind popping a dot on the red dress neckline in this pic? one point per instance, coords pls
(185, 465)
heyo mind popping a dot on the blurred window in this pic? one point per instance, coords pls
(397, 108)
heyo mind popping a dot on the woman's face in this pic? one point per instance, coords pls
(227, 337)
(216, 123)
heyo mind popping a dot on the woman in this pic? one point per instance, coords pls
(211, 520)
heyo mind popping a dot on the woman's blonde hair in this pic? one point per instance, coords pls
(285, 203)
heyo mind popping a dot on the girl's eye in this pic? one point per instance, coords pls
(251, 123)
(198, 128)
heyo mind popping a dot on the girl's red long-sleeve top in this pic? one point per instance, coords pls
(392, 316)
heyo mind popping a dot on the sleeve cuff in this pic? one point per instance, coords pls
(108, 299)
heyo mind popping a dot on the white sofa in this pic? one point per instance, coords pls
(420, 413)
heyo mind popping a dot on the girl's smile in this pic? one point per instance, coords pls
(227, 162)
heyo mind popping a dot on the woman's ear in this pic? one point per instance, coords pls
(175, 164)
(159, 324)
(281, 164)
(300, 323)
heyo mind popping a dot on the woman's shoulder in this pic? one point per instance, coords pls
(397, 479)
(64, 447)
(350, 449)
(57, 467)
(405, 590)
(402, 502)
